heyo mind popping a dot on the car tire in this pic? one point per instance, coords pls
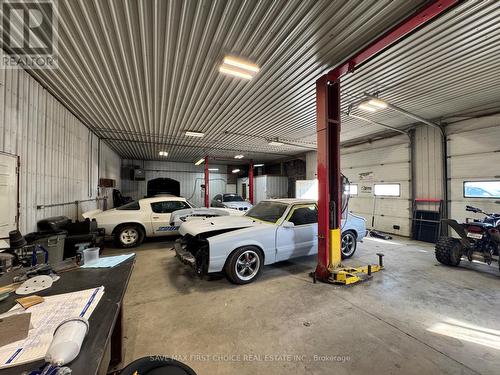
(449, 251)
(129, 235)
(244, 265)
(348, 244)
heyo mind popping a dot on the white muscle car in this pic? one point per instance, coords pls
(128, 225)
(272, 231)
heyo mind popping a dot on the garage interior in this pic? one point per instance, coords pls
(139, 93)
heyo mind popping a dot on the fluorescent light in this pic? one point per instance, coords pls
(366, 107)
(235, 72)
(258, 165)
(275, 143)
(201, 161)
(239, 156)
(194, 134)
(377, 103)
(236, 170)
(163, 153)
(213, 169)
(239, 63)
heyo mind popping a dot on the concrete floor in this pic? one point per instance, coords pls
(415, 317)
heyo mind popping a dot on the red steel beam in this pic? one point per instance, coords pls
(250, 181)
(392, 36)
(328, 133)
(207, 183)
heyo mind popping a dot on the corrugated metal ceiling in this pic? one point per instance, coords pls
(140, 73)
(450, 67)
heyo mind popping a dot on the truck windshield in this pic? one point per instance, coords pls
(267, 211)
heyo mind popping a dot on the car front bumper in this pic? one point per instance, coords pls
(183, 254)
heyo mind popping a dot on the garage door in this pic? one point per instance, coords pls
(379, 173)
(8, 194)
(473, 170)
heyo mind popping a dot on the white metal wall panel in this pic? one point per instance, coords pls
(388, 161)
(58, 154)
(267, 186)
(473, 154)
(190, 176)
(428, 163)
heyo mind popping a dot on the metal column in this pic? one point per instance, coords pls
(250, 181)
(207, 183)
(330, 195)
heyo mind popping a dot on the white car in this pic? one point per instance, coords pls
(128, 225)
(272, 231)
(231, 200)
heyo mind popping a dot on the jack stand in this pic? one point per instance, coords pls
(351, 275)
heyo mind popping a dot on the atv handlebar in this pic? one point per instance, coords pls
(477, 211)
(473, 209)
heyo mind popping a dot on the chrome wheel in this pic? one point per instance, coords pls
(247, 265)
(348, 244)
(129, 236)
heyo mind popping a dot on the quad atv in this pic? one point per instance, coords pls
(479, 240)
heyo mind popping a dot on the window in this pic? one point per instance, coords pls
(267, 211)
(387, 190)
(304, 215)
(353, 189)
(482, 189)
(130, 206)
(167, 207)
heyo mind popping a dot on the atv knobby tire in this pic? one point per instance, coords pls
(449, 251)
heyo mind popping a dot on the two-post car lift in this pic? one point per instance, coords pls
(330, 268)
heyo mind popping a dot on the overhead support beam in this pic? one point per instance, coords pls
(406, 113)
(375, 123)
(250, 182)
(391, 37)
(207, 183)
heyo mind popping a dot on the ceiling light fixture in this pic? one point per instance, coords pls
(235, 72)
(275, 143)
(213, 169)
(367, 107)
(258, 165)
(236, 170)
(377, 103)
(194, 134)
(201, 161)
(242, 64)
(163, 153)
(239, 156)
(239, 68)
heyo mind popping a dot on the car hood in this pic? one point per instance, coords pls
(212, 224)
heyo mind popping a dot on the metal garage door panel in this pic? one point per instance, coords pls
(475, 166)
(386, 155)
(389, 162)
(381, 173)
(473, 156)
(479, 140)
